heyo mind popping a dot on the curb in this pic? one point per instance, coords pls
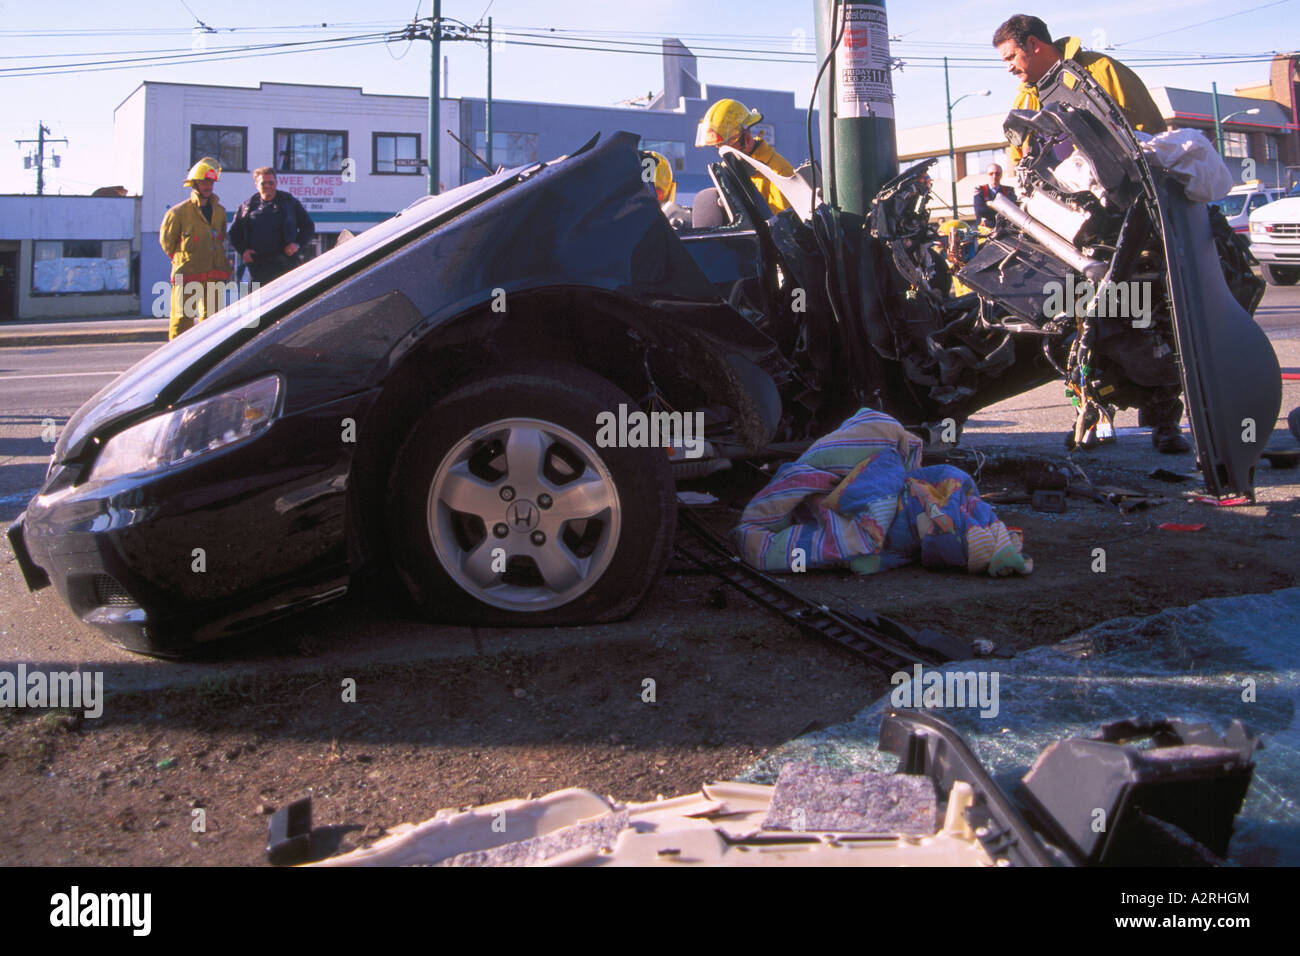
(81, 338)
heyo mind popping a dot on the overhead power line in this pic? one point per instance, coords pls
(192, 57)
(578, 40)
(1201, 23)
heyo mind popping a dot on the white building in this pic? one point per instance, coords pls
(334, 148)
(67, 256)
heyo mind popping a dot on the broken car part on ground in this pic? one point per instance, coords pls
(1172, 802)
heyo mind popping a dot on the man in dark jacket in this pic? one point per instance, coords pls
(985, 194)
(270, 228)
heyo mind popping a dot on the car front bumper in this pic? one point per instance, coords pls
(162, 561)
(1280, 252)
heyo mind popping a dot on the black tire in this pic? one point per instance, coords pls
(1280, 275)
(462, 450)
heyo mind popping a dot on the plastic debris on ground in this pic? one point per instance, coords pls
(1215, 661)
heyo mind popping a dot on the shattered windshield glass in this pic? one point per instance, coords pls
(1219, 660)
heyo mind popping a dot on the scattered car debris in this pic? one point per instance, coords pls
(288, 838)
(1050, 500)
(1172, 477)
(1190, 779)
(811, 797)
(1221, 502)
(1128, 500)
(1176, 799)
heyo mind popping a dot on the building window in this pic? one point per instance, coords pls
(81, 266)
(1234, 146)
(979, 160)
(1270, 147)
(310, 150)
(508, 149)
(391, 147)
(672, 150)
(226, 144)
(941, 169)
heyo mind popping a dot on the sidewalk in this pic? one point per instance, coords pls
(119, 328)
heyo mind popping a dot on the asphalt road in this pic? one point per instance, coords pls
(41, 385)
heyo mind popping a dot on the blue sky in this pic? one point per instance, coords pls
(79, 105)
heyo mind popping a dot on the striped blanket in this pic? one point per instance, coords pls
(860, 498)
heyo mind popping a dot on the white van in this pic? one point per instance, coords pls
(1245, 199)
(1275, 239)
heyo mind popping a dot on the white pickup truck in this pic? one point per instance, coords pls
(1275, 239)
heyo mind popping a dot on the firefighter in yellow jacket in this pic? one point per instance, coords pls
(727, 123)
(1026, 47)
(193, 235)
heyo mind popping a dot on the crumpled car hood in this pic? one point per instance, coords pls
(162, 376)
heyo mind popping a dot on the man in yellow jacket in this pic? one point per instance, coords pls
(727, 123)
(1026, 46)
(193, 235)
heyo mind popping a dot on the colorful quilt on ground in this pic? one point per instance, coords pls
(860, 498)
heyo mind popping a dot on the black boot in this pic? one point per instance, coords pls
(1162, 413)
(1169, 440)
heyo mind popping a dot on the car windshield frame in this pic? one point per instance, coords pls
(1232, 205)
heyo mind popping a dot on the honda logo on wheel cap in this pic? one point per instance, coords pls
(522, 516)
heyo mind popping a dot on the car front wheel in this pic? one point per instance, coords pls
(503, 509)
(1280, 275)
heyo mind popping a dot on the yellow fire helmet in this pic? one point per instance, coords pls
(724, 120)
(665, 188)
(205, 168)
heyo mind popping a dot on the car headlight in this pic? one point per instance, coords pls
(1260, 228)
(191, 431)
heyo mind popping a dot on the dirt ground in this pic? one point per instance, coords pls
(730, 683)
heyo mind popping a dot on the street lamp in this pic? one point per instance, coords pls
(952, 153)
(1218, 123)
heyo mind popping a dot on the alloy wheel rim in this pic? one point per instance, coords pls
(524, 515)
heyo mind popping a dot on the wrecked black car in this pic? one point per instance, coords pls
(490, 395)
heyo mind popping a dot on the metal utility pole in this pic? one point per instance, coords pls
(488, 118)
(858, 149)
(435, 101)
(40, 141)
(952, 152)
(1218, 125)
(435, 36)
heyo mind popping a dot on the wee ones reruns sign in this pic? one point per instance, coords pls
(316, 192)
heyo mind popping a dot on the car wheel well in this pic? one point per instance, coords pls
(595, 331)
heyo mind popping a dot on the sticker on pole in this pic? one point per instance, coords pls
(864, 86)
